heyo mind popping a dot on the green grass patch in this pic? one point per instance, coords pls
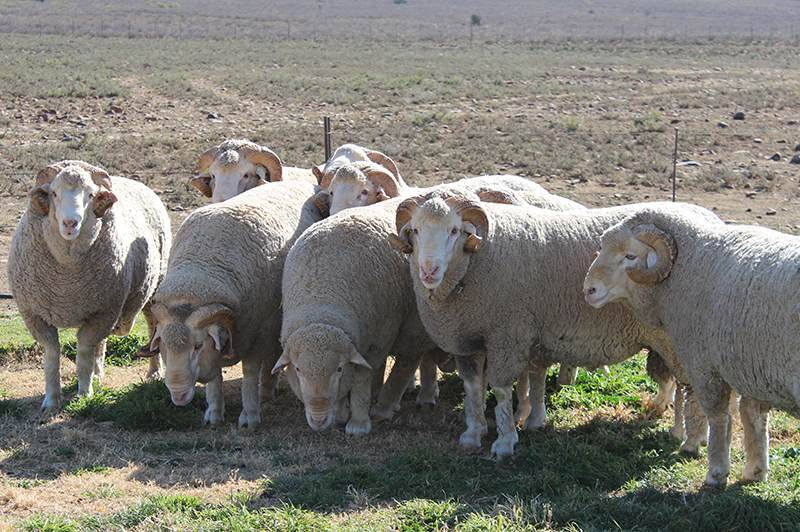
(144, 406)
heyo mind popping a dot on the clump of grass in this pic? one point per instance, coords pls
(650, 123)
(144, 406)
(572, 123)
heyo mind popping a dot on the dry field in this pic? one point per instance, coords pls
(593, 120)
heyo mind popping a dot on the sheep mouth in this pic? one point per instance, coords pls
(596, 298)
(317, 422)
(182, 398)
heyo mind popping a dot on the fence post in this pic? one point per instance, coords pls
(674, 164)
(327, 134)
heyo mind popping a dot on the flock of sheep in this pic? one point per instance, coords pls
(325, 273)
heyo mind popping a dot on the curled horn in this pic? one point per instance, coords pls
(666, 252)
(215, 313)
(160, 315)
(318, 173)
(385, 161)
(405, 211)
(471, 211)
(99, 176)
(266, 158)
(325, 178)
(203, 180)
(498, 196)
(383, 179)
(320, 199)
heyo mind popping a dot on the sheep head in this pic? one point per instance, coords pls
(72, 193)
(320, 360)
(356, 184)
(192, 341)
(235, 166)
(434, 227)
(638, 255)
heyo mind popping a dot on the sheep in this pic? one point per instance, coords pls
(88, 252)
(237, 165)
(356, 177)
(348, 304)
(727, 297)
(220, 301)
(500, 284)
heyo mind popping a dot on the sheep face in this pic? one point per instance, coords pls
(230, 175)
(320, 361)
(193, 349)
(73, 201)
(629, 256)
(351, 187)
(437, 230)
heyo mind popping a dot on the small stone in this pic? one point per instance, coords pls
(771, 212)
(723, 125)
(738, 116)
(795, 159)
(776, 156)
(797, 148)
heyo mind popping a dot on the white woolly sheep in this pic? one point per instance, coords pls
(727, 297)
(345, 282)
(88, 252)
(500, 283)
(356, 177)
(237, 165)
(220, 301)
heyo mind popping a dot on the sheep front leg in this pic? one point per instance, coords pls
(506, 429)
(537, 375)
(405, 365)
(471, 371)
(268, 383)
(215, 413)
(47, 336)
(755, 421)
(714, 398)
(251, 403)
(695, 422)
(428, 382)
(360, 395)
(522, 390)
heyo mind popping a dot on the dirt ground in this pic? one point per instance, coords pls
(105, 456)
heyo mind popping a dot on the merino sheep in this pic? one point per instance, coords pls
(220, 301)
(356, 177)
(500, 284)
(88, 252)
(727, 297)
(237, 165)
(348, 304)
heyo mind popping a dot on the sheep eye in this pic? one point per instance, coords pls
(454, 231)
(415, 230)
(630, 256)
(297, 369)
(198, 345)
(339, 369)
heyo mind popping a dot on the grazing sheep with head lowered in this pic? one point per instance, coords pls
(348, 304)
(89, 252)
(237, 165)
(727, 296)
(501, 284)
(220, 301)
(356, 177)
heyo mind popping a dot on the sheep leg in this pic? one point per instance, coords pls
(47, 336)
(215, 413)
(251, 403)
(714, 398)
(665, 396)
(91, 353)
(678, 430)
(522, 390)
(755, 421)
(360, 395)
(471, 371)
(695, 422)
(566, 375)
(428, 381)
(377, 381)
(537, 375)
(391, 393)
(506, 429)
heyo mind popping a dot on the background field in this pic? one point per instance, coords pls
(551, 91)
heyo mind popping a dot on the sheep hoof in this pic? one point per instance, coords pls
(757, 474)
(358, 429)
(469, 439)
(716, 477)
(249, 422)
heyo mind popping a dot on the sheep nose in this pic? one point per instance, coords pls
(429, 271)
(590, 291)
(70, 224)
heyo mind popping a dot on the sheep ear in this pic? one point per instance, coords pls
(356, 358)
(38, 197)
(103, 201)
(222, 342)
(381, 196)
(282, 362)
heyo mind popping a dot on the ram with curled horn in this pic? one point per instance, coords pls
(238, 165)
